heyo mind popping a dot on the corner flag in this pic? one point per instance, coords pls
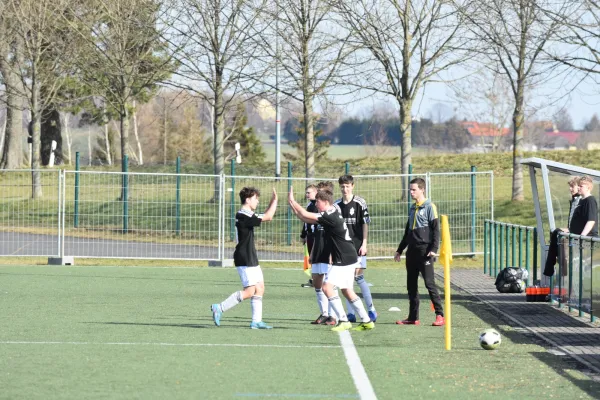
(307, 270)
(446, 260)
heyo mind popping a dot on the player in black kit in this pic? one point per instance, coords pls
(343, 256)
(246, 259)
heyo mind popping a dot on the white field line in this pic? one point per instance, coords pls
(281, 346)
(359, 375)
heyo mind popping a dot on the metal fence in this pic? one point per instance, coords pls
(509, 245)
(575, 282)
(184, 216)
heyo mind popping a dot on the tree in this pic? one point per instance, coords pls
(311, 49)
(216, 43)
(11, 56)
(562, 120)
(514, 35)
(593, 125)
(250, 146)
(407, 43)
(44, 65)
(320, 148)
(121, 55)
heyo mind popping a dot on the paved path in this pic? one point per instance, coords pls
(574, 336)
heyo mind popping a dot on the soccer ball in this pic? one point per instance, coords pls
(490, 339)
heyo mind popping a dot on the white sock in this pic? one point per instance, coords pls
(322, 302)
(366, 292)
(338, 308)
(256, 303)
(359, 309)
(349, 308)
(232, 301)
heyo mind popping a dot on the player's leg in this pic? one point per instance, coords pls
(255, 277)
(429, 278)
(236, 297)
(318, 277)
(335, 278)
(413, 261)
(359, 277)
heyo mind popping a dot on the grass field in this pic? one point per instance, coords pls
(146, 332)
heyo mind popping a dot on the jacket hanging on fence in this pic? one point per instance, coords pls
(552, 256)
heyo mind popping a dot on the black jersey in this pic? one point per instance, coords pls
(355, 215)
(308, 230)
(337, 237)
(245, 251)
(587, 210)
(321, 250)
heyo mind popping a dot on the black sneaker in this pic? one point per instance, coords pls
(330, 321)
(320, 320)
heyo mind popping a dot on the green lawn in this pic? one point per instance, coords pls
(146, 332)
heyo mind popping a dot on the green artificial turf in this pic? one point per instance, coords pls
(147, 332)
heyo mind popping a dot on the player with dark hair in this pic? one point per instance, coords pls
(356, 215)
(343, 257)
(422, 237)
(246, 259)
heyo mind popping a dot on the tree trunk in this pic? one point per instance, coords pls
(406, 149)
(165, 131)
(68, 137)
(309, 140)
(518, 120)
(107, 144)
(137, 137)
(89, 138)
(36, 181)
(218, 131)
(2, 135)
(12, 153)
(124, 132)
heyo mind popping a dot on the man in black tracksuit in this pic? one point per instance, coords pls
(422, 237)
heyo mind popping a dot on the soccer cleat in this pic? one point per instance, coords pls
(439, 321)
(330, 321)
(373, 315)
(364, 326)
(351, 318)
(320, 320)
(342, 326)
(408, 322)
(259, 325)
(216, 311)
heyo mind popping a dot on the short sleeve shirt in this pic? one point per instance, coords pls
(245, 250)
(337, 237)
(587, 210)
(356, 214)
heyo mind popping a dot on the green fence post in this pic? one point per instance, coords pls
(592, 317)
(289, 211)
(410, 171)
(473, 207)
(178, 197)
(76, 211)
(506, 246)
(232, 205)
(535, 253)
(570, 272)
(347, 168)
(520, 246)
(513, 247)
(580, 276)
(501, 239)
(527, 249)
(125, 194)
(485, 247)
(495, 227)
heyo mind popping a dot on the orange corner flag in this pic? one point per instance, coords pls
(307, 270)
(446, 260)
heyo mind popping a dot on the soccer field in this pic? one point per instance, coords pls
(147, 333)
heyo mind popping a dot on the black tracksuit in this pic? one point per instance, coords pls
(421, 235)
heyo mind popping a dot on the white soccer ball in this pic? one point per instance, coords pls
(490, 339)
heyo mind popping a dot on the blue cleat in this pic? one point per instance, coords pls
(259, 325)
(351, 318)
(373, 316)
(216, 311)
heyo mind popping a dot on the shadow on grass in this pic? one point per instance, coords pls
(563, 365)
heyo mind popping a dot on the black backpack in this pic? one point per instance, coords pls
(511, 280)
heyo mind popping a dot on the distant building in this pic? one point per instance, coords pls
(485, 134)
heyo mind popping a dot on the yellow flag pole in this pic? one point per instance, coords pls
(446, 259)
